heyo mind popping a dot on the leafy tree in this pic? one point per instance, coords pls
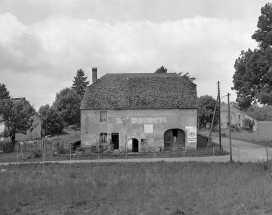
(17, 118)
(186, 75)
(263, 113)
(205, 108)
(161, 70)
(52, 122)
(248, 123)
(67, 104)
(4, 93)
(253, 74)
(80, 84)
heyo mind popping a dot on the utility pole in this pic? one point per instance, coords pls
(219, 117)
(229, 129)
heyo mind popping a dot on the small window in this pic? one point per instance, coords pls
(103, 137)
(239, 116)
(103, 116)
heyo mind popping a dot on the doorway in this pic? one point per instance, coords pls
(115, 140)
(133, 145)
(174, 138)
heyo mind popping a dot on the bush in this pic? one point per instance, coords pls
(35, 154)
(235, 128)
(81, 149)
(8, 147)
(61, 149)
(223, 135)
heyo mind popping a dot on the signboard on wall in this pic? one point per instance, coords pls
(191, 134)
(148, 128)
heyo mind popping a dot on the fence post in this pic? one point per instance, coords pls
(266, 154)
(25, 145)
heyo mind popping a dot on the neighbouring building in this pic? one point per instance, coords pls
(35, 133)
(139, 111)
(236, 117)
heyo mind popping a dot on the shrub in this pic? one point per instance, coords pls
(235, 128)
(224, 135)
(81, 149)
(35, 154)
(61, 149)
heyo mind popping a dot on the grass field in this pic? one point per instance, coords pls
(260, 138)
(137, 188)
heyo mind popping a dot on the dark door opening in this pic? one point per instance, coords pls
(135, 145)
(115, 140)
(174, 138)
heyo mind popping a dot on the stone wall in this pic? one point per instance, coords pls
(139, 124)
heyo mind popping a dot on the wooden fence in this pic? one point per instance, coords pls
(45, 144)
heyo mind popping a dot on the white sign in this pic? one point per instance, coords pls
(148, 128)
(2, 127)
(191, 134)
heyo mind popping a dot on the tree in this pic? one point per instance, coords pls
(17, 118)
(263, 113)
(186, 75)
(253, 73)
(52, 122)
(67, 104)
(205, 108)
(4, 93)
(80, 84)
(161, 70)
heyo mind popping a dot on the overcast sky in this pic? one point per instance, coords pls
(43, 43)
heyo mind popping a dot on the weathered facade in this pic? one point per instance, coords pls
(140, 112)
(35, 133)
(236, 117)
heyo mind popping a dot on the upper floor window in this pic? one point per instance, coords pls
(103, 116)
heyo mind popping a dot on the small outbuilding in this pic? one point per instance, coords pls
(139, 112)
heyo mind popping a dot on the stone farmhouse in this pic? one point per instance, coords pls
(139, 112)
(236, 117)
(35, 133)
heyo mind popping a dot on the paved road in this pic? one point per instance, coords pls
(244, 151)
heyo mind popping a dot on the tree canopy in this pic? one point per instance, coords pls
(186, 75)
(17, 118)
(205, 108)
(161, 70)
(67, 103)
(263, 113)
(52, 122)
(4, 93)
(253, 73)
(80, 84)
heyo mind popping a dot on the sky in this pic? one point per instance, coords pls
(44, 43)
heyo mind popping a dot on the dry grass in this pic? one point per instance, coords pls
(140, 188)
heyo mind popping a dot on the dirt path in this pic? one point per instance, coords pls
(244, 151)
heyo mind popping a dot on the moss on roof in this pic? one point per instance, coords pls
(140, 91)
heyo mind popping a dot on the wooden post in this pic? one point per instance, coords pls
(219, 117)
(229, 129)
(238, 154)
(212, 124)
(266, 154)
(25, 145)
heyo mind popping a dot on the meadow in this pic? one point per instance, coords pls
(137, 188)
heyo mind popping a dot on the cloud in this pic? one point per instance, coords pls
(20, 48)
(59, 45)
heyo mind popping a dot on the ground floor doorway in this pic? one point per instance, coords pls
(115, 140)
(174, 138)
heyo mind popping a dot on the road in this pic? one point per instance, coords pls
(244, 151)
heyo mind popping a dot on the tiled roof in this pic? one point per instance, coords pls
(140, 91)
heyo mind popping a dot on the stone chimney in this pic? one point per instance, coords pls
(94, 71)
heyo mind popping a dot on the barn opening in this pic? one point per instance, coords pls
(174, 138)
(133, 145)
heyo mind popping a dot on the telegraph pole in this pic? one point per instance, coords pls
(219, 118)
(229, 129)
